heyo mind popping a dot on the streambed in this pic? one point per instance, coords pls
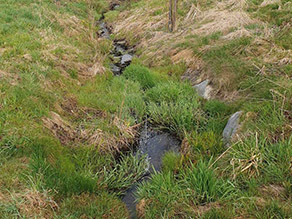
(152, 144)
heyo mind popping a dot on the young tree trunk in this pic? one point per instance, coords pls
(170, 25)
(172, 14)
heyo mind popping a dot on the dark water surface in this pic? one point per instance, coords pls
(153, 145)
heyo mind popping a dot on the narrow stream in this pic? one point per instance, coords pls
(153, 144)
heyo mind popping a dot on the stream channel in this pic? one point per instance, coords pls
(152, 144)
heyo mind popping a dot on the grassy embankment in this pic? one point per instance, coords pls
(64, 116)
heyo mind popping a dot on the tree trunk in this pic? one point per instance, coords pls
(170, 25)
(172, 14)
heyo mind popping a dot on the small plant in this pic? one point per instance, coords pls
(141, 74)
(171, 162)
(203, 185)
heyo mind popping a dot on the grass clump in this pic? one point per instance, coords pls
(54, 170)
(174, 106)
(141, 74)
(206, 143)
(256, 157)
(204, 184)
(195, 185)
(124, 173)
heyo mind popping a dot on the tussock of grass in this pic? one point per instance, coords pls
(124, 173)
(174, 106)
(142, 75)
(171, 162)
(256, 157)
(194, 185)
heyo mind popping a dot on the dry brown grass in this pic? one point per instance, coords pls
(60, 128)
(36, 204)
(76, 29)
(273, 190)
(68, 134)
(12, 79)
(228, 17)
(268, 2)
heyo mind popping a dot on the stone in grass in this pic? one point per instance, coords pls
(119, 50)
(126, 59)
(204, 89)
(231, 128)
(115, 69)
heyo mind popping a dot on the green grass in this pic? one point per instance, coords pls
(93, 206)
(77, 171)
(171, 162)
(45, 51)
(142, 75)
(272, 13)
(117, 95)
(170, 194)
(174, 106)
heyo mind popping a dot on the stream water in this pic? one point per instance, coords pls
(152, 144)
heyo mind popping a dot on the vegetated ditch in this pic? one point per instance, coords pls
(152, 143)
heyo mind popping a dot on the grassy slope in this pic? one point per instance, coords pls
(61, 165)
(47, 52)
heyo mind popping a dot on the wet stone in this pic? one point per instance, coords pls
(126, 59)
(104, 31)
(121, 43)
(115, 69)
(119, 50)
(116, 59)
(116, 7)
